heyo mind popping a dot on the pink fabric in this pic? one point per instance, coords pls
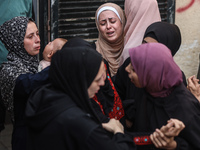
(140, 14)
(157, 72)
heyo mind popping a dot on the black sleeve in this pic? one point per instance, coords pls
(183, 144)
(90, 135)
(99, 139)
(26, 83)
(191, 133)
(184, 79)
(2, 114)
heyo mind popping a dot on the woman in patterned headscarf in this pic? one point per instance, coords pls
(18, 75)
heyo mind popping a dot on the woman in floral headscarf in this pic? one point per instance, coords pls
(18, 76)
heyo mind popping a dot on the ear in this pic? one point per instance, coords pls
(50, 54)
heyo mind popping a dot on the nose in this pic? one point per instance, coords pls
(102, 82)
(108, 25)
(37, 40)
(127, 70)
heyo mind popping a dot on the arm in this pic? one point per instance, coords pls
(26, 83)
(94, 136)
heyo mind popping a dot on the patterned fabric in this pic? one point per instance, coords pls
(19, 62)
(142, 140)
(117, 111)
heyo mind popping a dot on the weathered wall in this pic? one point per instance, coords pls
(187, 17)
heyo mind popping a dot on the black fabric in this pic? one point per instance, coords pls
(2, 114)
(165, 33)
(128, 92)
(56, 122)
(180, 104)
(72, 71)
(25, 84)
(105, 96)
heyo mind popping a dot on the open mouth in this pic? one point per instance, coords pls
(110, 33)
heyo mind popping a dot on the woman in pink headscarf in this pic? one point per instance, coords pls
(152, 67)
(140, 14)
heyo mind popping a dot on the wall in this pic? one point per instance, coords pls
(187, 17)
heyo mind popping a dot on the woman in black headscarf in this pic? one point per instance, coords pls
(106, 102)
(165, 33)
(18, 76)
(159, 32)
(60, 114)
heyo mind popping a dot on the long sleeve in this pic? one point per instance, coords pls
(94, 137)
(26, 83)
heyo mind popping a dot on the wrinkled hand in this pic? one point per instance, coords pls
(164, 138)
(173, 128)
(194, 86)
(162, 141)
(113, 126)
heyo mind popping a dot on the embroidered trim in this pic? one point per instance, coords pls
(142, 140)
(118, 111)
(96, 100)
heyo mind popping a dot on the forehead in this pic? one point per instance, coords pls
(31, 27)
(107, 14)
(101, 70)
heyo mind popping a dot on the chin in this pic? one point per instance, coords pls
(112, 40)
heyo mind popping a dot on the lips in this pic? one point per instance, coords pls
(38, 48)
(110, 33)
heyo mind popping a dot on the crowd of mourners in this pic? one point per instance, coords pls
(124, 91)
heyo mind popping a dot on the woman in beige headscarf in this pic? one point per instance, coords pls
(110, 22)
(140, 14)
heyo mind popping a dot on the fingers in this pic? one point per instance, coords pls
(191, 84)
(159, 140)
(173, 128)
(113, 126)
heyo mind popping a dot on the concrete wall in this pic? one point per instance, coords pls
(187, 17)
